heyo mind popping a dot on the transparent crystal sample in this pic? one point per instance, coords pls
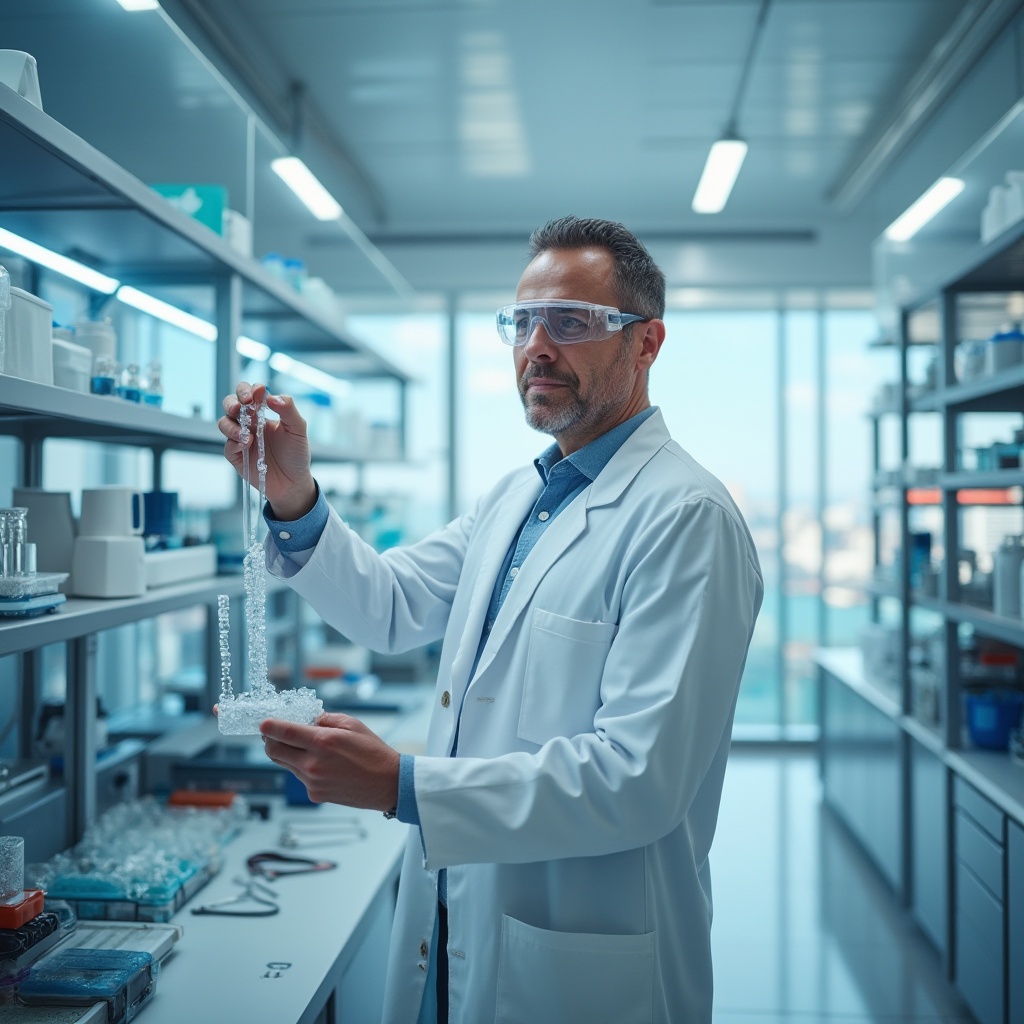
(241, 714)
(12, 866)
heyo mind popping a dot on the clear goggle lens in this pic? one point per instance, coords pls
(566, 322)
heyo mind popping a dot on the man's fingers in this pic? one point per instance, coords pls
(285, 408)
(334, 720)
(295, 735)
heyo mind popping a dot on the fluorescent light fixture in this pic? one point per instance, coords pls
(720, 171)
(301, 180)
(252, 349)
(166, 312)
(61, 264)
(309, 374)
(908, 223)
(139, 5)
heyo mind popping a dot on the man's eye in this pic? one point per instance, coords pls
(571, 324)
(522, 322)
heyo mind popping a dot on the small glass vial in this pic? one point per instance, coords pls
(104, 375)
(131, 387)
(5, 543)
(153, 389)
(18, 539)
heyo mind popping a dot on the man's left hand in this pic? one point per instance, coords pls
(339, 760)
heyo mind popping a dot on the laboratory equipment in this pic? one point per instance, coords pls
(241, 714)
(105, 372)
(123, 979)
(130, 388)
(13, 540)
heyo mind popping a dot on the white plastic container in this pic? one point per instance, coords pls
(98, 336)
(1006, 578)
(18, 71)
(28, 343)
(1004, 349)
(72, 365)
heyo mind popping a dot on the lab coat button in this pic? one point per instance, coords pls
(446, 699)
(285, 535)
(424, 948)
(423, 966)
(543, 516)
(514, 571)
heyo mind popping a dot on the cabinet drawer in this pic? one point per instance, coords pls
(976, 849)
(982, 810)
(1015, 919)
(976, 907)
(979, 974)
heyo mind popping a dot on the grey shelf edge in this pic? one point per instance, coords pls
(52, 141)
(972, 391)
(80, 616)
(30, 409)
(989, 479)
(998, 627)
(992, 773)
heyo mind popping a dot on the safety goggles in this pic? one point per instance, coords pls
(566, 322)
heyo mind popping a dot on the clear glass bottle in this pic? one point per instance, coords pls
(153, 385)
(104, 375)
(13, 541)
(131, 386)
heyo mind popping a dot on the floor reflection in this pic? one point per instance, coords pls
(805, 929)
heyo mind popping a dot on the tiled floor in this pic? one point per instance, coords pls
(805, 930)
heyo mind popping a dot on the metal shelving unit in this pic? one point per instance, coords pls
(61, 193)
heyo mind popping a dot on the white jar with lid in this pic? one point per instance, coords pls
(98, 336)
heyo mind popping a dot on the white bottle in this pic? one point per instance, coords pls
(1006, 581)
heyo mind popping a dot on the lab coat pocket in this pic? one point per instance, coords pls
(562, 684)
(547, 977)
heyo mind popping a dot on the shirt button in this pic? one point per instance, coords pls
(285, 535)
(514, 571)
(424, 948)
(422, 966)
(543, 516)
(446, 699)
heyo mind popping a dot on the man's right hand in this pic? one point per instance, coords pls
(291, 489)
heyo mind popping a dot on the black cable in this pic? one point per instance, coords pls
(755, 38)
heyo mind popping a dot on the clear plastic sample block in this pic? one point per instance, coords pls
(241, 715)
(12, 866)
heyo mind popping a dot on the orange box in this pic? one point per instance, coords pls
(14, 915)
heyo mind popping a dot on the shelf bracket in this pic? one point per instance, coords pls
(80, 734)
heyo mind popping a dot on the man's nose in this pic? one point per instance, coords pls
(538, 340)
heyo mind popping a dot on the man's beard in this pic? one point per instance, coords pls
(552, 414)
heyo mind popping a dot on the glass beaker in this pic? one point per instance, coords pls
(104, 375)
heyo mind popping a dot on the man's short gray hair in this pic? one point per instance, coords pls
(637, 279)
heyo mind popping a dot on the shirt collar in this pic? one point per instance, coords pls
(591, 458)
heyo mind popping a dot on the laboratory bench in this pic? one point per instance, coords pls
(322, 958)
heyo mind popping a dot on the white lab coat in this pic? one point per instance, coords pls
(576, 820)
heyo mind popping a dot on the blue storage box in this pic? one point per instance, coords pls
(992, 716)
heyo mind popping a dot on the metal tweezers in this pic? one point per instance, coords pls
(251, 890)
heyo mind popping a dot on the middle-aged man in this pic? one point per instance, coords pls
(596, 609)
